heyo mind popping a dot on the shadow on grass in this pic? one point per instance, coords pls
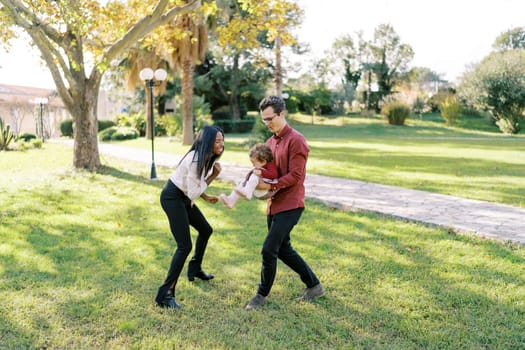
(392, 274)
(91, 274)
(431, 164)
(119, 174)
(428, 127)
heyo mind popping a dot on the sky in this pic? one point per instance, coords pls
(446, 35)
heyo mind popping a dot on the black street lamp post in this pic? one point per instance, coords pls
(151, 79)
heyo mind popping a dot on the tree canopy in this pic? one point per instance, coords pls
(78, 41)
(249, 25)
(497, 85)
(511, 39)
(382, 61)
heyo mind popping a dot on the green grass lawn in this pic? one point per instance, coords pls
(472, 160)
(82, 255)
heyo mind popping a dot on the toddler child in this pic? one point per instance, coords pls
(263, 167)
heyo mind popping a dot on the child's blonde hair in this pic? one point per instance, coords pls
(262, 152)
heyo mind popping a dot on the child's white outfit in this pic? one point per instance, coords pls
(246, 189)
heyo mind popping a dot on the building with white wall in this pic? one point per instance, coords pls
(22, 108)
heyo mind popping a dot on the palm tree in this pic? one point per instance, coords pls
(138, 59)
(186, 47)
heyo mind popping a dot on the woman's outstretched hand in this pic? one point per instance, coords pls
(209, 199)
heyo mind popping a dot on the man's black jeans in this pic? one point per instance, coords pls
(277, 245)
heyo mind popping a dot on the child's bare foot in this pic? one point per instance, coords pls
(224, 199)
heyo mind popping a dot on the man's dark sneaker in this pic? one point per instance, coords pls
(311, 293)
(257, 300)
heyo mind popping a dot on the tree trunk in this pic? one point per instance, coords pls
(368, 90)
(278, 68)
(85, 130)
(234, 96)
(63, 43)
(187, 102)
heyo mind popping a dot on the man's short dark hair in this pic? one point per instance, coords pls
(275, 102)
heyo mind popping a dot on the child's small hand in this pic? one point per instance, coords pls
(257, 171)
(263, 185)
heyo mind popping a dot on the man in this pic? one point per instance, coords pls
(284, 209)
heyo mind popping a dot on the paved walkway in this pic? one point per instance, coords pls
(489, 220)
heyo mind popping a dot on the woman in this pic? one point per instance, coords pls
(185, 185)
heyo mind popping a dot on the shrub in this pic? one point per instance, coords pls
(419, 106)
(66, 128)
(104, 124)
(6, 135)
(317, 101)
(117, 133)
(26, 136)
(473, 112)
(170, 123)
(201, 112)
(497, 85)
(292, 104)
(437, 99)
(368, 113)
(105, 135)
(338, 103)
(260, 132)
(21, 146)
(136, 121)
(36, 143)
(395, 112)
(223, 112)
(508, 126)
(450, 110)
(235, 125)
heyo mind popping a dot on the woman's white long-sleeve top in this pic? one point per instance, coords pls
(186, 179)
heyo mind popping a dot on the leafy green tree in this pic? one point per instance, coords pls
(511, 39)
(390, 58)
(350, 52)
(435, 101)
(497, 85)
(213, 81)
(137, 59)
(176, 47)
(243, 28)
(185, 47)
(322, 69)
(78, 41)
(379, 62)
(425, 78)
(450, 110)
(235, 34)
